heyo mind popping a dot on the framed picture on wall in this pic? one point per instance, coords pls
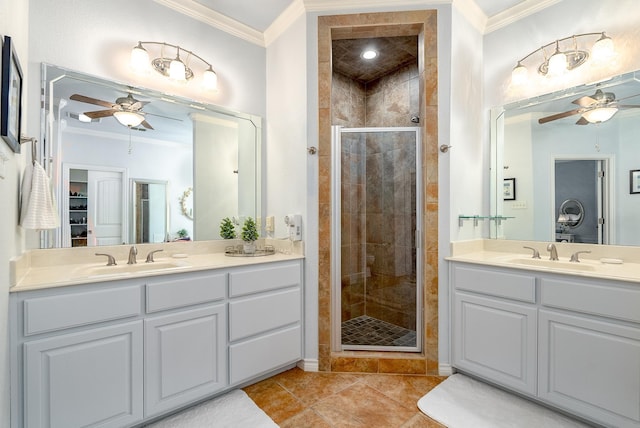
(634, 181)
(11, 96)
(509, 190)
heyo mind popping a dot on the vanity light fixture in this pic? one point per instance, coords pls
(174, 68)
(565, 56)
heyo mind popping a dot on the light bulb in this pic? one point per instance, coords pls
(601, 114)
(557, 63)
(603, 48)
(210, 79)
(139, 58)
(519, 75)
(177, 69)
(369, 54)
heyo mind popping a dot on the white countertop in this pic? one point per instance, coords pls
(38, 269)
(511, 254)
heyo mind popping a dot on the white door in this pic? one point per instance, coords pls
(104, 210)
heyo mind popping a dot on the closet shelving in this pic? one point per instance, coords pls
(78, 203)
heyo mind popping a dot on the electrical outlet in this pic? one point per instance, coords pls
(521, 205)
(270, 224)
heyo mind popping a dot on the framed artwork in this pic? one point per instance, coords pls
(634, 181)
(11, 96)
(509, 189)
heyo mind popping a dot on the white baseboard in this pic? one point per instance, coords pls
(309, 365)
(445, 369)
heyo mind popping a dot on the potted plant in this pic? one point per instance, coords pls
(227, 229)
(183, 235)
(249, 235)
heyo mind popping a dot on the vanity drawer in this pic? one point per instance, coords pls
(495, 283)
(608, 301)
(185, 292)
(258, 314)
(53, 313)
(263, 279)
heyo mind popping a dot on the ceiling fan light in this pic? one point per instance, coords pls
(210, 79)
(603, 48)
(519, 75)
(599, 115)
(557, 63)
(128, 118)
(177, 70)
(139, 58)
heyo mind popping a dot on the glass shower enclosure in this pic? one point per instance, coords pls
(377, 257)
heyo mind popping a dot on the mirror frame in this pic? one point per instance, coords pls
(49, 238)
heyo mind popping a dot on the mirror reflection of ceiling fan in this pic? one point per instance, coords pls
(127, 110)
(596, 108)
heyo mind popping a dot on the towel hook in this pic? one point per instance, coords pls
(34, 146)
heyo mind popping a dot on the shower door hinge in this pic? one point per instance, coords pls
(601, 174)
(600, 220)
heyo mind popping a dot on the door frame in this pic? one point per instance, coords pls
(64, 231)
(605, 197)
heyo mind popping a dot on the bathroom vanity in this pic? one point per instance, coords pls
(568, 339)
(124, 350)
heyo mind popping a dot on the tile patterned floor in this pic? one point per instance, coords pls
(365, 330)
(299, 399)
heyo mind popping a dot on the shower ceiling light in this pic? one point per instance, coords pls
(369, 54)
(564, 58)
(172, 67)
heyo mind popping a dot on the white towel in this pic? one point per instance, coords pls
(38, 209)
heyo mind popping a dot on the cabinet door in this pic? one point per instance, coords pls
(87, 379)
(496, 339)
(185, 357)
(590, 367)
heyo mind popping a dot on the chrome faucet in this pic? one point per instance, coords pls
(574, 256)
(536, 253)
(111, 261)
(133, 251)
(150, 256)
(554, 252)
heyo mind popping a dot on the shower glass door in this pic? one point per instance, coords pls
(377, 262)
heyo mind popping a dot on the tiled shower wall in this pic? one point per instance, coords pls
(424, 24)
(378, 196)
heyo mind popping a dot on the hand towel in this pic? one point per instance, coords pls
(38, 209)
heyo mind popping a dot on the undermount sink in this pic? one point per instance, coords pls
(558, 264)
(126, 269)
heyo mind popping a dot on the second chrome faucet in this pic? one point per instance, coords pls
(553, 252)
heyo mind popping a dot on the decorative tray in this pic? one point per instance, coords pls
(238, 251)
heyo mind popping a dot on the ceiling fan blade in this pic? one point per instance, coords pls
(99, 113)
(585, 101)
(582, 121)
(559, 115)
(146, 124)
(89, 100)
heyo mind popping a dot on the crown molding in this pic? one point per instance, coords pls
(284, 21)
(215, 19)
(324, 5)
(517, 12)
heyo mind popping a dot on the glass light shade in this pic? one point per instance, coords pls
(84, 118)
(139, 58)
(557, 63)
(603, 48)
(369, 54)
(210, 79)
(177, 70)
(601, 114)
(519, 75)
(128, 118)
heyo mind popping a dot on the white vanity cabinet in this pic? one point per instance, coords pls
(121, 353)
(584, 334)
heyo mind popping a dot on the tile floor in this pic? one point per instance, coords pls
(299, 399)
(366, 330)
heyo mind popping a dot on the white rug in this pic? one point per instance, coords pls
(232, 410)
(463, 402)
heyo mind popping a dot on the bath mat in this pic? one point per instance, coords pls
(462, 402)
(232, 410)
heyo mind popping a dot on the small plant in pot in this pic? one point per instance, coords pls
(227, 229)
(249, 235)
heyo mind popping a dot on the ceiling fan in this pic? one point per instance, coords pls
(127, 110)
(595, 108)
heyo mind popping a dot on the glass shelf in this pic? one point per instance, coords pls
(477, 218)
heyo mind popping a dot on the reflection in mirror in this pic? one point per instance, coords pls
(149, 205)
(113, 131)
(186, 203)
(556, 155)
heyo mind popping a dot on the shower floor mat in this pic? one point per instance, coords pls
(366, 330)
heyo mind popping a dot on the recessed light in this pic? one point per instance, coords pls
(369, 54)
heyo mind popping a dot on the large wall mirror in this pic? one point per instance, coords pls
(123, 182)
(568, 179)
